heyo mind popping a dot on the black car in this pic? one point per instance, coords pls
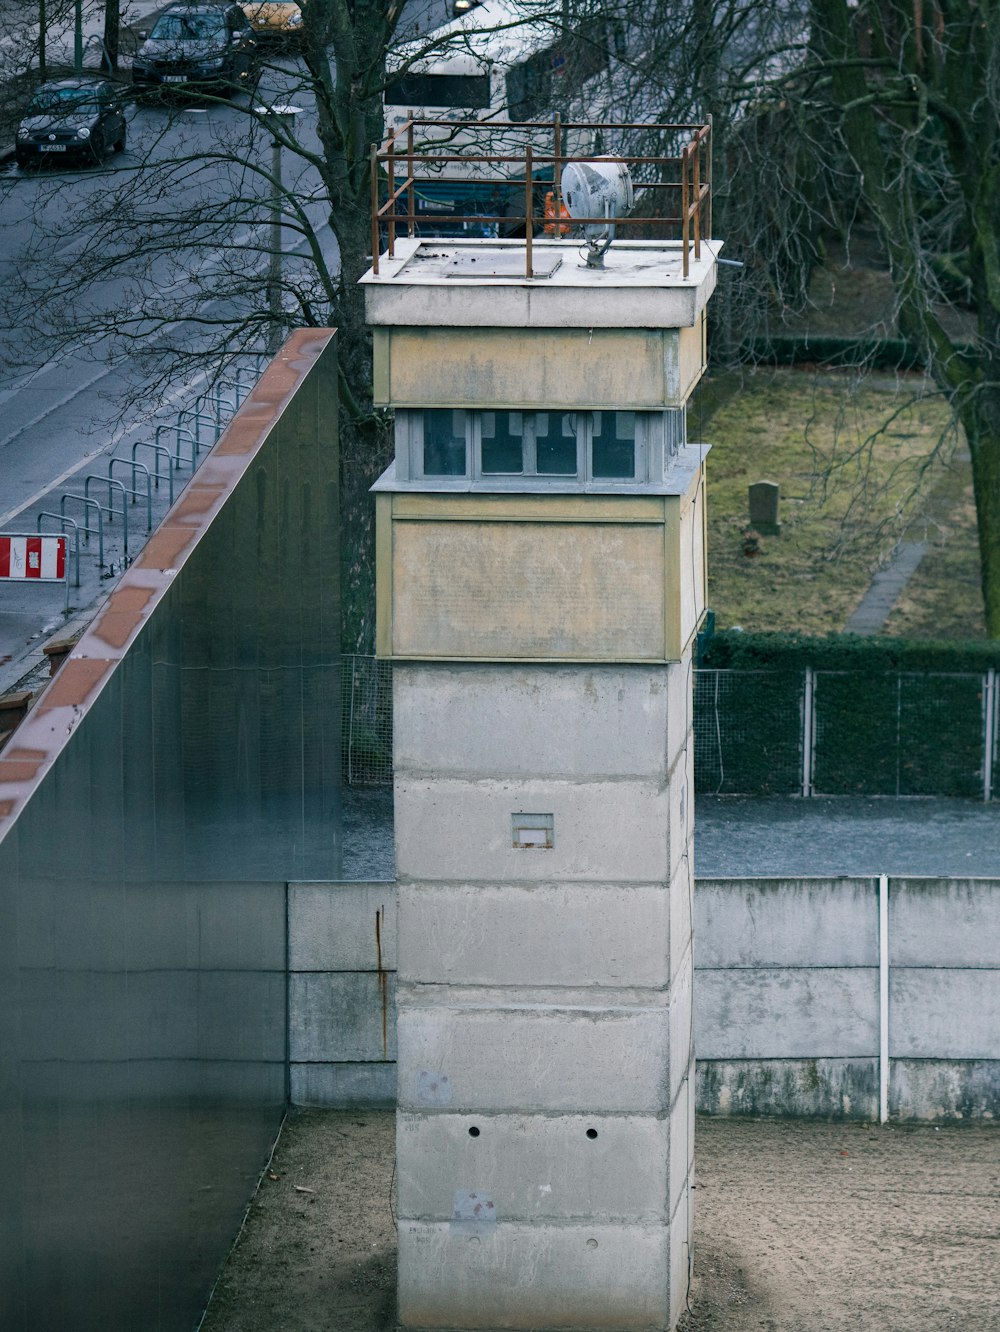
(199, 45)
(71, 118)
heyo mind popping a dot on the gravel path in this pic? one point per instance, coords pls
(800, 1227)
(743, 836)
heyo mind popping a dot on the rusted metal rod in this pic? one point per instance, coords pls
(373, 168)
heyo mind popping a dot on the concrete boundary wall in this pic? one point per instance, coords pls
(342, 994)
(789, 982)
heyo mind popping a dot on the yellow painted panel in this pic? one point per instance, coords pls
(530, 508)
(691, 357)
(381, 349)
(529, 367)
(383, 575)
(498, 590)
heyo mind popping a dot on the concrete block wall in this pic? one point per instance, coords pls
(944, 998)
(787, 996)
(341, 994)
(544, 1039)
(786, 988)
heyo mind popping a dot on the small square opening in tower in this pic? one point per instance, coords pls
(532, 832)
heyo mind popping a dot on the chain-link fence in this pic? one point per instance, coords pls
(366, 727)
(748, 732)
(799, 732)
(846, 733)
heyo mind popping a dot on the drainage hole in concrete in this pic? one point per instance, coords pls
(591, 1134)
(474, 1132)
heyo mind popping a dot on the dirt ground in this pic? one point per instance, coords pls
(801, 1227)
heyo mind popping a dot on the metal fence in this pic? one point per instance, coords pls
(846, 733)
(366, 719)
(778, 732)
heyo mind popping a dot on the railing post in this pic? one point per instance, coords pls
(390, 168)
(697, 198)
(528, 209)
(373, 168)
(411, 191)
(556, 182)
(685, 207)
(708, 177)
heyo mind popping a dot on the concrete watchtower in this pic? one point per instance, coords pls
(541, 577)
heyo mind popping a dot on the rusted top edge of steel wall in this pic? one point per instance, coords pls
(47, 729)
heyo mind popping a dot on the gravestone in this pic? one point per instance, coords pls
(764, 497)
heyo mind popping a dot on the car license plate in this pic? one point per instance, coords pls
(51, 147)
(174, 78)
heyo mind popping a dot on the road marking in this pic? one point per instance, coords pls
(110, 447)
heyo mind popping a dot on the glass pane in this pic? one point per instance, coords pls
(503, 450)
(614, 444)
(555, 444)
(444, 442)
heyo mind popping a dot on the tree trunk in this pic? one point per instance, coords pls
(112, 35)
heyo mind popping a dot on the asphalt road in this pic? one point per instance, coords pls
(67, 407)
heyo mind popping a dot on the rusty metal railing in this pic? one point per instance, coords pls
(405, 160)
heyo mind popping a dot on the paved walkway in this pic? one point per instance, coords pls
(846, 835)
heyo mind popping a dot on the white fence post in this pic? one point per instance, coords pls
(883, 998)
(989, 732)
(808, 731)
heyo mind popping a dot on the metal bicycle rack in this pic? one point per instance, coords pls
(87, 531)
(175, 444)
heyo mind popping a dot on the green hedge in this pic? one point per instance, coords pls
(836, 351)
(893, 716)
(731, 650)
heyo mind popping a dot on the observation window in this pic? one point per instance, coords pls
(506, 447)
(613, 448)
(445, 449)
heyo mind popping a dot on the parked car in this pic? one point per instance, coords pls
(71, 119)
(200, 45)
(274, 21)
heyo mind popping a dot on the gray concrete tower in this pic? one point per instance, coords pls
(541, 539)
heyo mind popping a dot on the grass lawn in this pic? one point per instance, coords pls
(858, 465)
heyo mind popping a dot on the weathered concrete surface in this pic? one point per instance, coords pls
(945, 922)
(359, 1004)
(545, 1045)
(341, 926)
(819, 1088)
(343, 1086)
(782, 1028)
(945, 1089)
(551, 721)
(571, 1167)
(786, 1013)
(540, 1059)
(787, 922)
(341, 993)
(488, 1275)
(944, 1013)
(461, 830)
(544, 934)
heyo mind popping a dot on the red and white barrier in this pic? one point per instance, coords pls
(39, 557)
